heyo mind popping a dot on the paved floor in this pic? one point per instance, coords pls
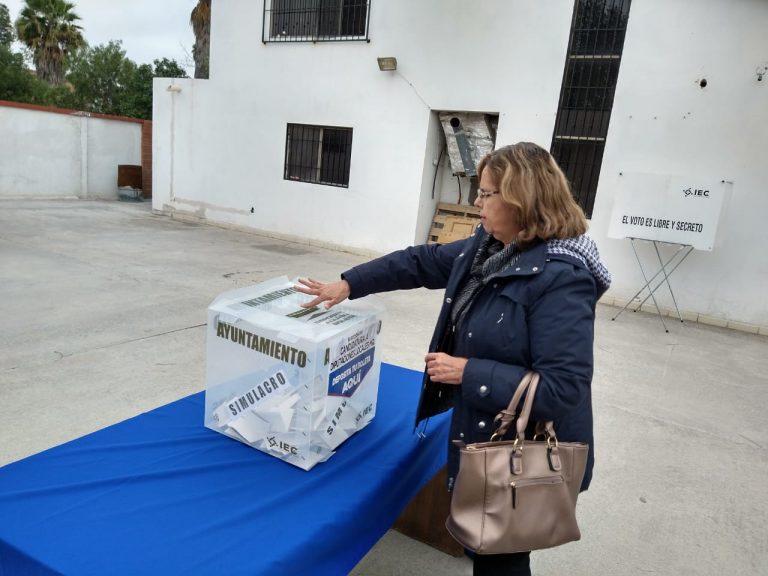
(103, 310)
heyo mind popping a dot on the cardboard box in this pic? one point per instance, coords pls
(290, 381)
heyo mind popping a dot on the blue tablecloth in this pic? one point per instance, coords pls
(161, 494)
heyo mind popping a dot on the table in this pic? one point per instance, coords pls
(161, 494)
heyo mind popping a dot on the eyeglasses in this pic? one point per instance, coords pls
(484, 194)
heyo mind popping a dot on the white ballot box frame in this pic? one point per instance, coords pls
(666, 268)
(290, 381)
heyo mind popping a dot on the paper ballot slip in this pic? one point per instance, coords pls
(290, 381)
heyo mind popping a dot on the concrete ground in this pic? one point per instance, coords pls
(103, 317)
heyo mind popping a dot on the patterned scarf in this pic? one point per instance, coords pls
(491, 258)
(585, 249)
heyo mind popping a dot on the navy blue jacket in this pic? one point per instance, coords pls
(538, 314)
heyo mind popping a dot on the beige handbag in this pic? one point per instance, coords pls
(517, 495)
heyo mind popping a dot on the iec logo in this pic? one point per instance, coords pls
(345, 380)
(701, 193)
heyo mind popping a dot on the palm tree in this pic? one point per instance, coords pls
(48, 28)
(200, 20)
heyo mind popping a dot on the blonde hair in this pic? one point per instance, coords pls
(529, 179)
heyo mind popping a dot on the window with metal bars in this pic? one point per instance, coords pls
(318, 154)
(586, 97)
(315, 20)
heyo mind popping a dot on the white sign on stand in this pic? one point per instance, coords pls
(665, 208)
(668, 209)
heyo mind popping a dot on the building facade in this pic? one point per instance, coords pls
(299, 133)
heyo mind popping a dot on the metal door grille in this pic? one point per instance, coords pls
(586, 97)
(318, 154)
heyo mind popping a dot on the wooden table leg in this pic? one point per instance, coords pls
(424, 517)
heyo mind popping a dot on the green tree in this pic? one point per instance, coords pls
(137, 99)
(165, 68)
(200, 19)
(106, 81)
(62, 96)
(16, 82)
(6, 29)
(19, 84)
(138, 96)
(101, 77)
(49, 29)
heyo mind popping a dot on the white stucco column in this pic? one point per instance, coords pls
(83, 121)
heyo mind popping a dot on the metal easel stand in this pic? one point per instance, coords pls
(682, 252)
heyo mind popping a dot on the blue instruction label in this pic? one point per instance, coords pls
(345, 380)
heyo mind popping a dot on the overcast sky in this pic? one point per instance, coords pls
(149, 29)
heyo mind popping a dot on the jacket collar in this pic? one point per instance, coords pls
(531, 261)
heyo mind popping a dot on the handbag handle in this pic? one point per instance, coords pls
(525, 413)
(529, 382)
(506, 417)
(547, 428)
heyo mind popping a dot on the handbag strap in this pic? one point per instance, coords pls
(528, 385)
(506, 417)
(542, 428)
(525, 413)
(547, 428)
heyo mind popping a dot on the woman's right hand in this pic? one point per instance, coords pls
(331, 293)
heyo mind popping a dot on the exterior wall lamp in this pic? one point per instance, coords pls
(387, 63)
(173, 88)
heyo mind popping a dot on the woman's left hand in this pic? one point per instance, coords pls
(445, 369)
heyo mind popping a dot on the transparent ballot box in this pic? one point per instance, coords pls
(290, 381)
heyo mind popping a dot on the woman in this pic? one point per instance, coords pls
(520, 295)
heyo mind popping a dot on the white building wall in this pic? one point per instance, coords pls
(49, 154)
(220, 143)
(39, 154)
(663, 122)
(431, 179)
(451, 56)
(110, 143)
